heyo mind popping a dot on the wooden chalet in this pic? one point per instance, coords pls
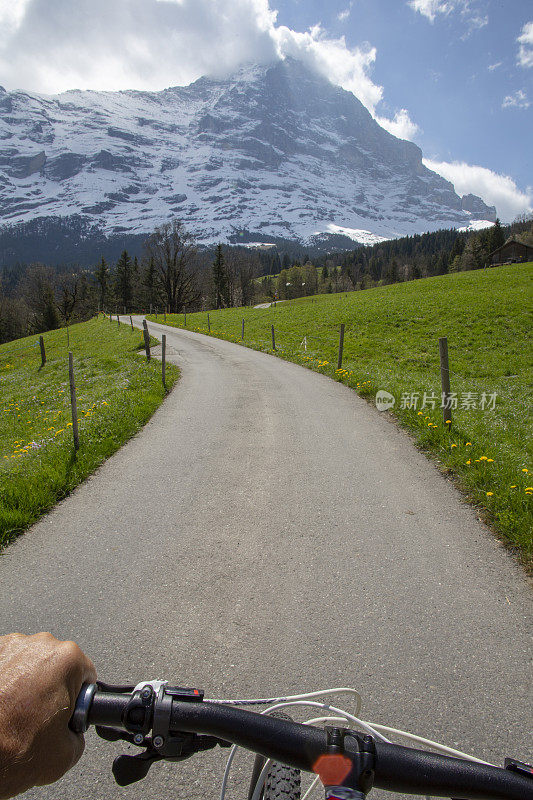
(512, 252)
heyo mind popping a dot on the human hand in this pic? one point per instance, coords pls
(40, 678)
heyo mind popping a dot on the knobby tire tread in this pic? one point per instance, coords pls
(282, 783)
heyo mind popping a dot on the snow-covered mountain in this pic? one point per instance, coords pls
(273, 151)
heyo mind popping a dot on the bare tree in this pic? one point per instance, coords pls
(37, 290)
(68, 298)
(173, 251)
(241, 269)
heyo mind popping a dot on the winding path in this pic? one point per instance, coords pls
(269, 531)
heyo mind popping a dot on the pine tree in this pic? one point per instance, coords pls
(220, 278)
(442, 263)
(124, 282)
(149, 283)
(496, 237)
(50, 315)
(102, 278)
(474, 254)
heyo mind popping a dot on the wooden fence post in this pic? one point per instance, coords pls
(445, 380)
(165, 315)
(131, 322)
(242, 333)
(73, 403)
(43, 351)
(156, 313)
(208, 324)
(273, 338)
(341, 346)
(118, 320)
(164, 359)
(146, 340)
(185, 319)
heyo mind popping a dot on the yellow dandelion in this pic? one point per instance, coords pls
(489, 494)
(448, 422)
(468, 444)
(525, 470)
(483, 458)
(454, 445)
(529, 489)
(468, 462)
(490, 460)
(513, 486)
(419, 413)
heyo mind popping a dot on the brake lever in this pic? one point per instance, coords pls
(129, 769)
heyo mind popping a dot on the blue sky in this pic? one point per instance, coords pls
(454, 76)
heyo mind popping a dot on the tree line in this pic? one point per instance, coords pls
(425, 255)
(173, 275)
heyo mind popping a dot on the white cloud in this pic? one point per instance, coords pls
(54, 45)
(51, 46)
(472, 17)
(525, 51)
(401, 126)
(496, 190)
(516, 100)
(342, 16)
(346, 67)
(96, 44)
(430, 8)
(492, 67)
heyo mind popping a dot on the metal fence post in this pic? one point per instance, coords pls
(146, 340)
(445, 380)
(164, 359)
(43, 351)
(341, 346)
(73, 403)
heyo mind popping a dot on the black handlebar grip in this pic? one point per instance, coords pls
(79, 721)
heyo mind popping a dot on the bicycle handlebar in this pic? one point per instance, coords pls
(397, 768)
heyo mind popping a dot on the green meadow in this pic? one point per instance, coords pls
(391, 344)
(117, 392)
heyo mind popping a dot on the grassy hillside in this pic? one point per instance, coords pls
(117, 392)
(391, 343)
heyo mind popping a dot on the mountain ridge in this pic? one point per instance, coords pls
(272, 151)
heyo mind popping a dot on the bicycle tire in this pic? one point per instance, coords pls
(282, 782)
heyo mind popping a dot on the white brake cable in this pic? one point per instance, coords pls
(307, 695)
(347, 717)
(375, 729)
(441, 748)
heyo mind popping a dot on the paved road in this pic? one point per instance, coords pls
(269, 531)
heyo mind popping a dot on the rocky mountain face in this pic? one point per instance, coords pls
(273, 152)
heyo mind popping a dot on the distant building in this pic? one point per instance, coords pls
(512, 252)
